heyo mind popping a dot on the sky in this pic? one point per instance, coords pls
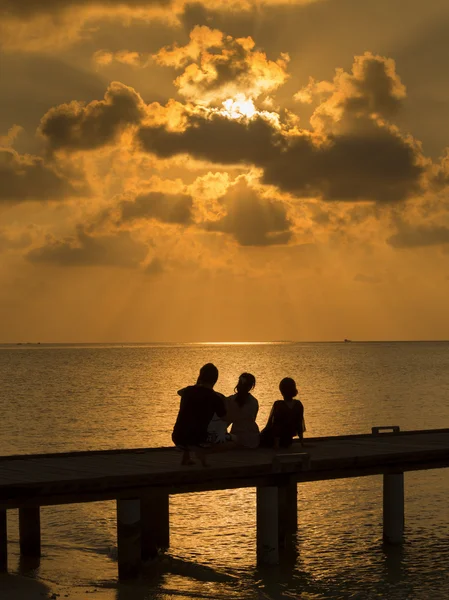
(224, 171)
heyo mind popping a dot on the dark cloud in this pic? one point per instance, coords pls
(376, 163)
(36, 83)
(377, 87)
(84, 250)
(168, 208)
(217, 139)
(31, 8)
(371, 88)
(76, 126)
(419, 236)
(26, 177)
(252, 219)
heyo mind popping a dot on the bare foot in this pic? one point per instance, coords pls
(186, 459)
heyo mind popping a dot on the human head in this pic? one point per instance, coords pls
(287, 387)
(245, 384)
(208, 375)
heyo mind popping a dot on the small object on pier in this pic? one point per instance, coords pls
(393, 508)
(30, 531)
(293, 461)
(392, 428)
(3, 542)
(129, 546)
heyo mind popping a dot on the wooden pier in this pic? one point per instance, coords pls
(141, 481)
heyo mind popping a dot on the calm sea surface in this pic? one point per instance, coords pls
(55, 398)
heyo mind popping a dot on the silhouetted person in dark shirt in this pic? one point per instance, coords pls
(199, 402)
(286, 419)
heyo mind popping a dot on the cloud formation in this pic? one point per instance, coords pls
(252, 219)
(217, 67)
(26, 177)
(419, 236)
(76, 126)
(36, 25)
(351, 153)
(377, 163)
(85, 250)
(168, 208)
(372, 90)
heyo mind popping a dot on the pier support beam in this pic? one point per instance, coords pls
(393, 508)
(268, 525)
(129, 547)
(155, 524)
(287, 511)
(3, 542)
(30, 531)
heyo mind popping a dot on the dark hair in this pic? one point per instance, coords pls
(287, 387)
(208, 374)
(246, 383)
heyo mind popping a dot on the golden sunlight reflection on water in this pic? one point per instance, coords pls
(112, 397)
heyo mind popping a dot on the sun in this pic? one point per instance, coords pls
(239, 107)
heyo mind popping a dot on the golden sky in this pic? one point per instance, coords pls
(220, 170)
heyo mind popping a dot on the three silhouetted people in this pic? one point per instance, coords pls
(204, 415)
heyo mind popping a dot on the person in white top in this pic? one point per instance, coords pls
(241, 411)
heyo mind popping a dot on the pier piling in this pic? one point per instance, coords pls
(155, 521)
(393, 508)
(129, 546)
(30, 531)
(287, 511)
(268, 525)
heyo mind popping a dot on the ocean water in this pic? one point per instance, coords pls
(59, 398)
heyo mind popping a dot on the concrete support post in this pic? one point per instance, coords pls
(393, 508)
(287, 511)
(268, 525)
(30, 531)
(3, 542)
(129, 546)
(155, 523)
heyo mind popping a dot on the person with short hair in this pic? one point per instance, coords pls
(286, 419)
(199, 403)
(241, 410)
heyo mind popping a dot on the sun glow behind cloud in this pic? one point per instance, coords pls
(238, 107)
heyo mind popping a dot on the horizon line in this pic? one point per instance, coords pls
(225, 343)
